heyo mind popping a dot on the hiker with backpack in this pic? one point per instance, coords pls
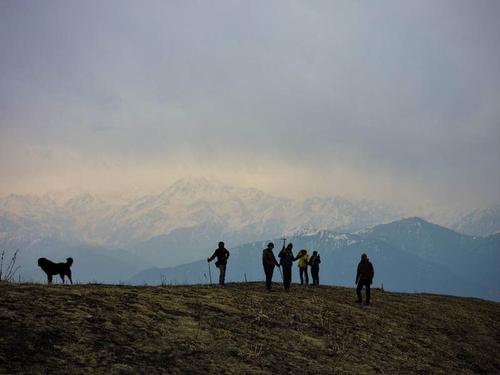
(269, 262)
(286, 261)
(364, 278)
(303, 259)
(222, 255)
(314, 263)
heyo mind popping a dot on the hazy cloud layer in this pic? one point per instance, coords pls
(383, 99)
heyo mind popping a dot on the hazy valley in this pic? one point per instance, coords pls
(154, 238)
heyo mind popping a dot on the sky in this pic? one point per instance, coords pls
(387, 100)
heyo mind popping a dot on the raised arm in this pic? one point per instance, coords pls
(213, 256)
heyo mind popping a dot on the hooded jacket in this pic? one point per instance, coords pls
(286, 257)
(303, 258)
(314, 261)
(268, 258)
(222, 255)
(365, 271)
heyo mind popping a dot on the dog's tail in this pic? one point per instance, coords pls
(69, 261)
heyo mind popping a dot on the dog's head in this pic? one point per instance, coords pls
(42, 261)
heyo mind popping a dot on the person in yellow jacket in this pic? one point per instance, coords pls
(303, 259)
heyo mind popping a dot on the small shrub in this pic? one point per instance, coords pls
(11, 268)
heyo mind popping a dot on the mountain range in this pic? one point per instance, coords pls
(409, 255)
(179, 223)
(113, 236)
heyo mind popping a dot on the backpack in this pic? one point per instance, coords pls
(315, 261)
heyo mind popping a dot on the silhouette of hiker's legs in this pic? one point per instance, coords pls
(358, 292)
(361, 284)
(315, 275)
(287, 276)
(222, 275)
(269, 276)
(306, 275)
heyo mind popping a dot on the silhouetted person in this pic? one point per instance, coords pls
(303, 259)
(364, 278)
(286, 261)
(314, 263)
(269, 262)
(222, 255)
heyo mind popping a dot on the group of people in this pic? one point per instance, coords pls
(286, 262)
(364, 274)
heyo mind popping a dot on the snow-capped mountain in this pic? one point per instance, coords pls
(188, 217)
(408, 255)
(480, 222)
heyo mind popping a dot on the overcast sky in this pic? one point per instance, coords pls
(389, 100)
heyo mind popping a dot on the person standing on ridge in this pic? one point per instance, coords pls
(364, 277)
(303, 259)
(222, 255)
(286, 261)
(314, 263)
(269, 262)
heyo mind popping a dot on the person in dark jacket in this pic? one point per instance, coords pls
(364, 278)
(314, 263)
(269, 262)
(286, 262)
(222, 255)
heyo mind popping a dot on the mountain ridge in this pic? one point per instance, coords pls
(433, 258)
(237, 213)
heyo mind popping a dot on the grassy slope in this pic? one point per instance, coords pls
(242, 329)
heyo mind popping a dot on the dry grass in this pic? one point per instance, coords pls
(242, 329)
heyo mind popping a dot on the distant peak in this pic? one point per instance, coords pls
(411, 223)
(414, 219)
(193, 183)
(194, 180)
(196, 185)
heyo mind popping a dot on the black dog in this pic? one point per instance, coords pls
(51, 268)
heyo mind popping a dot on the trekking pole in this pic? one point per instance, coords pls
(209, 273)
(281, 273)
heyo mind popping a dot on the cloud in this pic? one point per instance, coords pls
(382, 97)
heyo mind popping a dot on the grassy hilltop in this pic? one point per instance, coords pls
(242, 329)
